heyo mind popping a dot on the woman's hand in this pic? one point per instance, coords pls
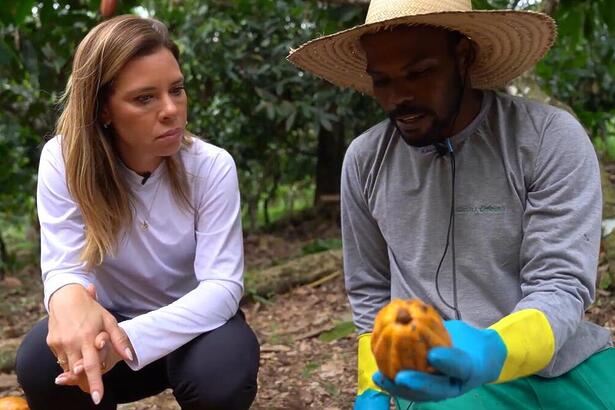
(108, 359)
(75, 321)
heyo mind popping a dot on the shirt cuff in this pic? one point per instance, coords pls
(530, 343)
(366, 363)
(134, 364)
(54, 283)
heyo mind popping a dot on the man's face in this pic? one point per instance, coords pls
(416, 80)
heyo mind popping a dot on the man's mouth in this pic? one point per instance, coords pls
(410, 118)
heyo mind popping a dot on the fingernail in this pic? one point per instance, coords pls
(78, 369)
(96, 397)
(129, 354)
(60, 380)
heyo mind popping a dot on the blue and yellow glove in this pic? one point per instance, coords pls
(518, 345)
(368, 396)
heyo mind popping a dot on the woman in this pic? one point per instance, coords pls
(141, 240)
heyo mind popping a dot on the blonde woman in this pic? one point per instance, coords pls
(142, 255)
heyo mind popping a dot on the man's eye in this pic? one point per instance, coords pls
(380, 82)
(419, 73)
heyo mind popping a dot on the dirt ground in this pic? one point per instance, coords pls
(307, 347)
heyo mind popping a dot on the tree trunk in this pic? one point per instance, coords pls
(270, 196)
(331, 148)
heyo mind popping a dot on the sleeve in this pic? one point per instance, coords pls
(366, 261)
(218, 267)
(62, 227)
(559, 251)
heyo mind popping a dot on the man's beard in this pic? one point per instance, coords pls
(439, 124)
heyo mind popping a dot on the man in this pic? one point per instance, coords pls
(484, 205)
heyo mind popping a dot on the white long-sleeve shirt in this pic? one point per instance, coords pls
(179, 278)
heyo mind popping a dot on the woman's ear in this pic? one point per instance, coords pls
(105, 115)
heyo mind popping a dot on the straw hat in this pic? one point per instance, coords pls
(508, 42)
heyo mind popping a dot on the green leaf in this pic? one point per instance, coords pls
(610, 147)
(571, 22)
(599, 145)
(481, 5)
(15, 12)
(340, 331)
(605, 281)
(608, 14)
(320, 245)
(290, 120)
(6, 54)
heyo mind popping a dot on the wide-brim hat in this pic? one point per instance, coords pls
(508, 43)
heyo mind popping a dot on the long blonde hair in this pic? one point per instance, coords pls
(92, 162)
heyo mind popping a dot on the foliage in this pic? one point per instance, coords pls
(581, 68)
(247, 98)
(320, 245)
(244, 95)
(341, 330)
(37, 40)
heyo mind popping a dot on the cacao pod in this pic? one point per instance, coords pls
(13, 403)
(404, 331)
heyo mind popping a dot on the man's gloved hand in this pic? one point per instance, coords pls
(475, 358)
(372, 400)
(518, 345)
(369, 397)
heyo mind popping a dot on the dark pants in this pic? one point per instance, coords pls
(216, 370)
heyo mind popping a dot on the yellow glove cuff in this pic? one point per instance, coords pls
(529, 340)
(366, 364)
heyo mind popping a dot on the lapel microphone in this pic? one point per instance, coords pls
(145, 177)
(444, 147)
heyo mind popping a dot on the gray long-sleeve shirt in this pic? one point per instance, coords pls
(528, 208)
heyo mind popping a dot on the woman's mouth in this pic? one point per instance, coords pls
(175, 132)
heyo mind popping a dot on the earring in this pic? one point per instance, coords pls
(106, 125)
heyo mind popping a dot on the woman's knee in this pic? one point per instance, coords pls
(37, 369)
(34, 373)
(233, 389)
(217, 370)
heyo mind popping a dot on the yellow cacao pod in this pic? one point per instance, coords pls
(404, 331)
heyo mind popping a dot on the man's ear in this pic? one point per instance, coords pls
(466, 53)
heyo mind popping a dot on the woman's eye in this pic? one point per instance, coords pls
(144, 99)
(177, 90)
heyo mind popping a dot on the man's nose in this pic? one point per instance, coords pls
(399, 94)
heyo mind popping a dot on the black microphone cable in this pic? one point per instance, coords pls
(450, 239)
(450, 232)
